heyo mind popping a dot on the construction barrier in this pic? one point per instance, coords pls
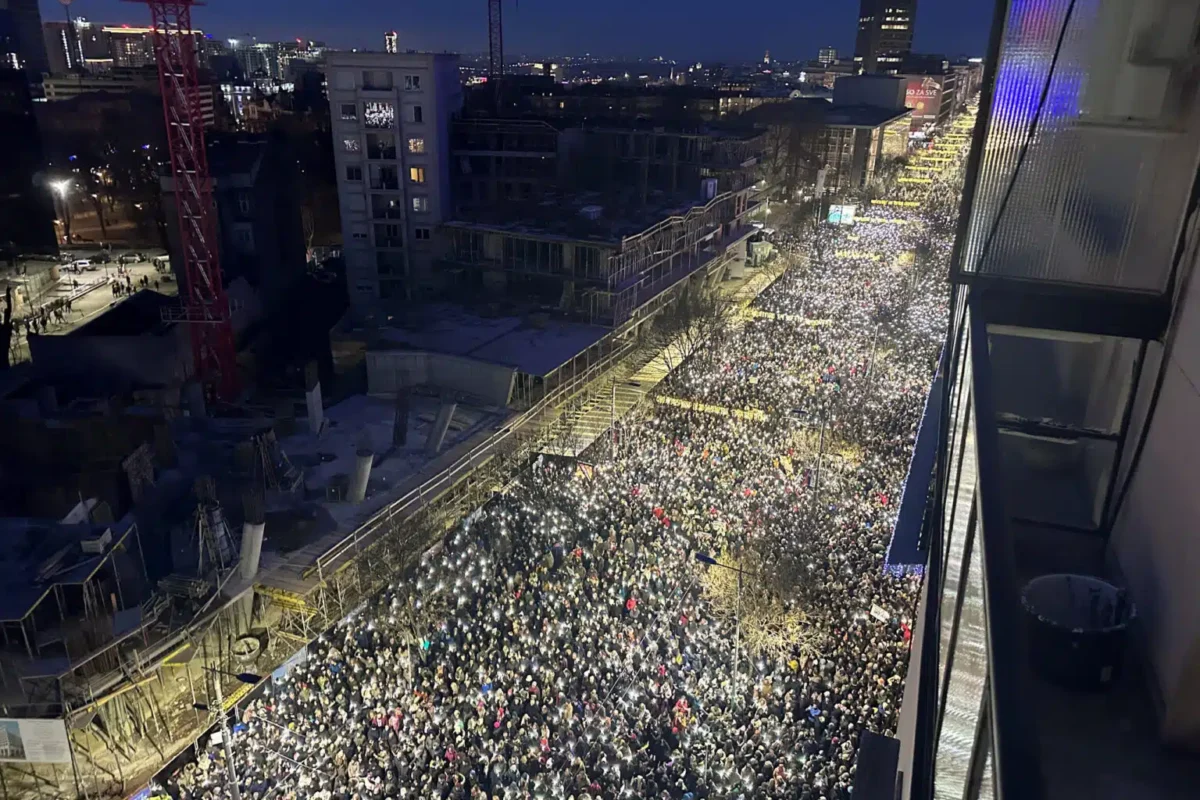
(753, 414)
(881, 221)
(282, 597)
(914, 180)
(858, 254)
(235, 696)
(900, 203)
(755, 313)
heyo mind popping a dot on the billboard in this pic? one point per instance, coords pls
(923, 95)
(36, 741)
(841, 214)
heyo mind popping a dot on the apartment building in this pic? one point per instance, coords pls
(391, 116)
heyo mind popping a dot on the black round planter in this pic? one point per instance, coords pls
(1077, 628)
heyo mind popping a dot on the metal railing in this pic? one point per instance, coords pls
(1004, 739)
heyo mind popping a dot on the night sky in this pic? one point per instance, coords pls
(730, 30)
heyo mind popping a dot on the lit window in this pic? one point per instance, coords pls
(416, 174)
(351, 145)
(378, 114)
(420, 204)
(416, 146)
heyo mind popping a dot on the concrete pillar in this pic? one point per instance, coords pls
(193, 399)
(312, 396)
(437, 434)
(362, 474)
(737, 262)
(47, 401)
(400, 419)
(252, 539)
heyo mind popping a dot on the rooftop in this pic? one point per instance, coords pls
(36, 555)
(372, 58)
(560, 215)
(139, 315)
(818, 111)
(534, 348)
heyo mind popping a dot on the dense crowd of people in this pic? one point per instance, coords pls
(561, 642)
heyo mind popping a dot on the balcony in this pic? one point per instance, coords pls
(385, 178)
(381, 147)
(1068, 420)
(987, 721)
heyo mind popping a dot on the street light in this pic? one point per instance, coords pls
(62, 190)
(707, 560)
(235, 789)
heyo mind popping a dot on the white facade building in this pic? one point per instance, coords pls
(391, 134)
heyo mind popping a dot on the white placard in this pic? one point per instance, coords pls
(37, 741)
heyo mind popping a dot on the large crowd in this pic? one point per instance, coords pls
(561, 642)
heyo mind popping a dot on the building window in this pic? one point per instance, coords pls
(389, 262)
(243, 238)
(533, 255)
(353, 172)
(415, 114)
(351, 145)
(244, 203)
(349, 111)
(416, 174)
(587, 261)
(421, 234)
(385, 176)
(420, 204)
(388, 235)
(412, 83)
(386, 206)
(416, 146)
(378, 114)
(364, 288)
(381, 146)
(344, 80)
(377, 79)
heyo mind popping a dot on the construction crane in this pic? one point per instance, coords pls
(495, 40)
(205, 309)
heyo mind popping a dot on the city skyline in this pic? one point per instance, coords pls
(545, 28)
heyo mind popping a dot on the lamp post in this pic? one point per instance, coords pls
(62, 190)
(235, 789)
(706, 559)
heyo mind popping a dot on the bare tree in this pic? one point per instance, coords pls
(699, 314)
(773, 623)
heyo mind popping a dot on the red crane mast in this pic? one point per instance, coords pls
(205, 309)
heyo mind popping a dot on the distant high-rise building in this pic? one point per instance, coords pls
(391, 41)
(885, 34)
(23, 25)
(827, 55)
(62, 48)
(767, 58)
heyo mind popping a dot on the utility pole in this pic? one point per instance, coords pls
(737, 641)
(612, 423)
(235, 790)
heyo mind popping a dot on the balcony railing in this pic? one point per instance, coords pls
(972, 711)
